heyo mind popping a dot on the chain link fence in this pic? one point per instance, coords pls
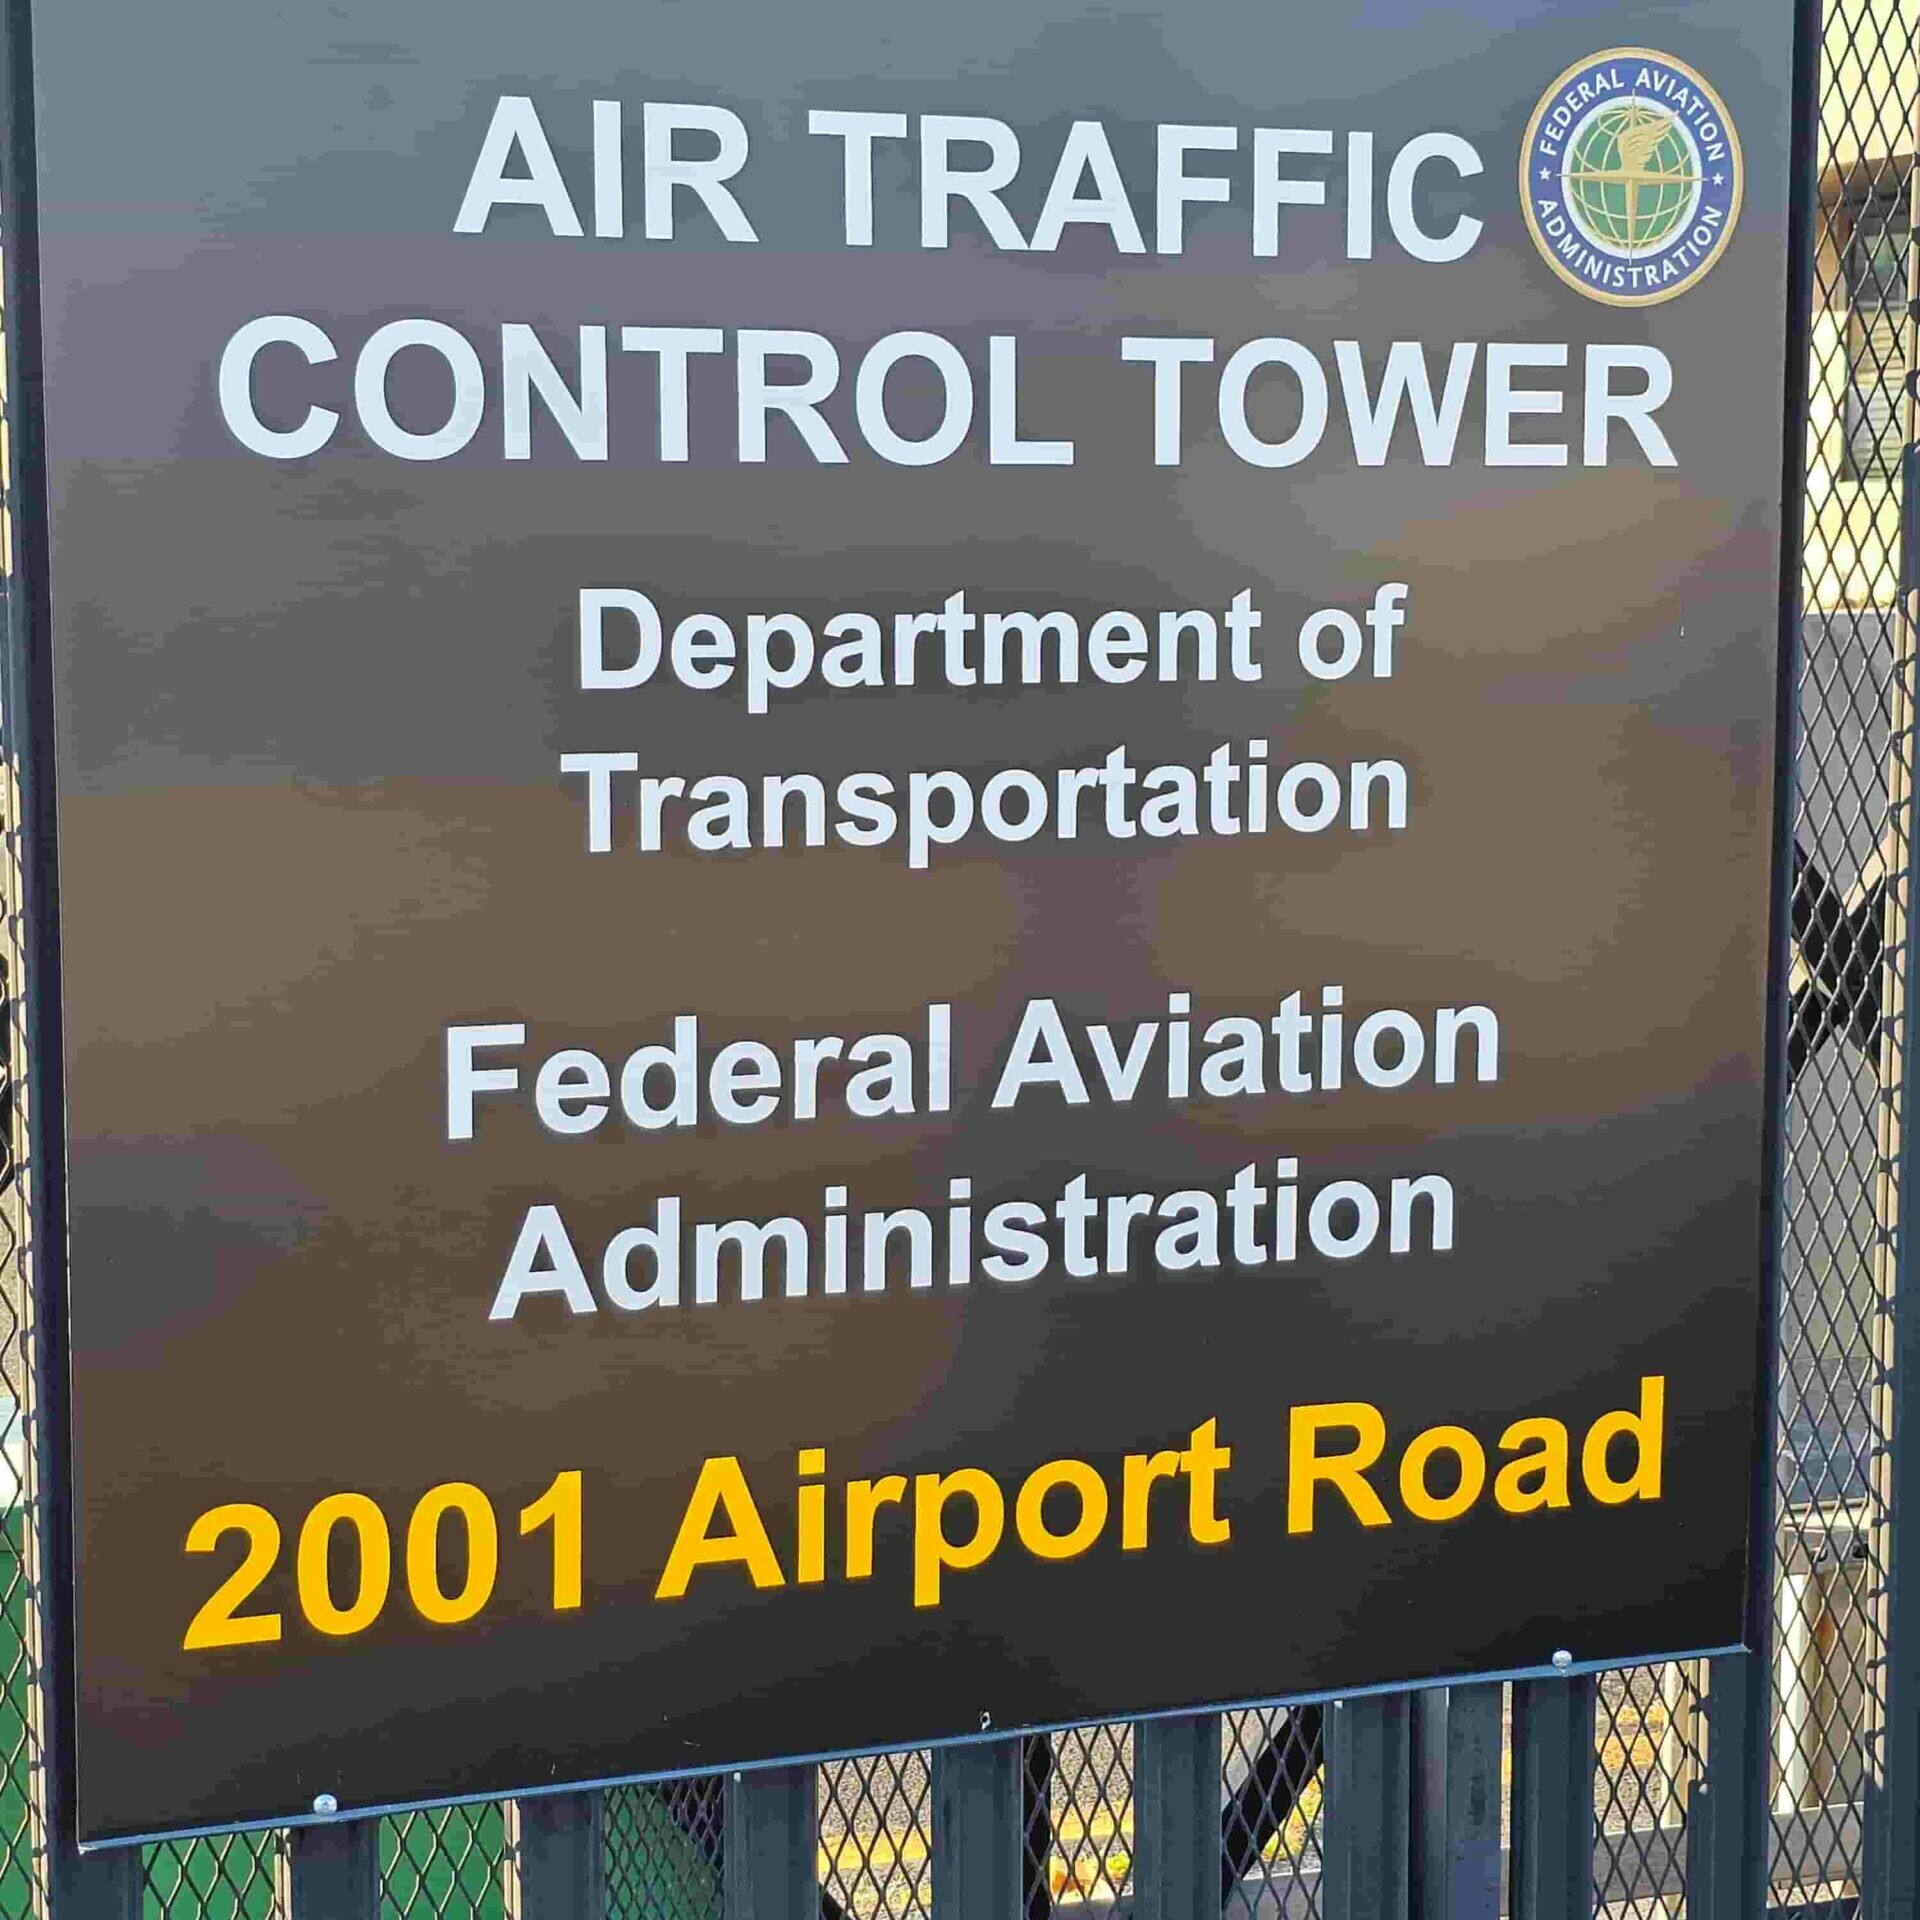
(1078, 1824)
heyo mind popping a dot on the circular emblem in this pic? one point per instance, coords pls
(1631, 177)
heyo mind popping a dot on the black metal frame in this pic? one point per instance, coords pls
(1406, 1774)
(71, 1882)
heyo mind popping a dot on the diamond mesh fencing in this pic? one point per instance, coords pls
(1080, 1830)
(663, 1850)
(876, 1835)
(664, 1845)
(1851, 819)
(1649, 1752)
(1271, 1780)
(22, 1881)
(445, 1864)
(21, 1877)
(236, 1876)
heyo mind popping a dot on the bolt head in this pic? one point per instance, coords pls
(325, 1804)
(1562, 1659)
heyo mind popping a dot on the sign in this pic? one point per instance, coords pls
(913, 871)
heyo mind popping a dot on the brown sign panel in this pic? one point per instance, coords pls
(914, 867)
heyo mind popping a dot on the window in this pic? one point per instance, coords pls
(1877, 333)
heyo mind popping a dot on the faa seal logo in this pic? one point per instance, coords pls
(1631, 177)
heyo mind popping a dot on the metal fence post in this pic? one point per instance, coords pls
(94, 1886)
(978, 1842)
(1553, 1817)
(557, 1855)
(1457, 1799)
(1892, 1829)
(333, 1872)
(1176, 1817)
(1893, 1826)
(72, 1886)
(1728, 1831)
(1369, 1800)
(771, 1840)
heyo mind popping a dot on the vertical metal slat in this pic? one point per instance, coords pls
(1728, 1832)
(1457, 1803)
(333, 1871)
(1553, 1817)
(94, 1886)
(978, 1842)
(557, 1854)
(771, 1840)
(1369, 1798)
(1892, 1836)
(1176, 1814)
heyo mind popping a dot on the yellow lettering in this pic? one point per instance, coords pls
(1029, 1510)
(1202, 1462)
(810, 1559)
(1646, 1429)
(1420, 1500)
(1138, 1472)
(1545, 1466)
(865, 1498)
(1345, 1472)
(933, 1552)
(721, 1486)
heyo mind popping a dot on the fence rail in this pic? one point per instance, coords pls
(1547, 1800)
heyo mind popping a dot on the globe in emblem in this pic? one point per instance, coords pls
(1632, 178)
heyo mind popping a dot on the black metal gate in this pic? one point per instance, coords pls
(1786, 1781)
